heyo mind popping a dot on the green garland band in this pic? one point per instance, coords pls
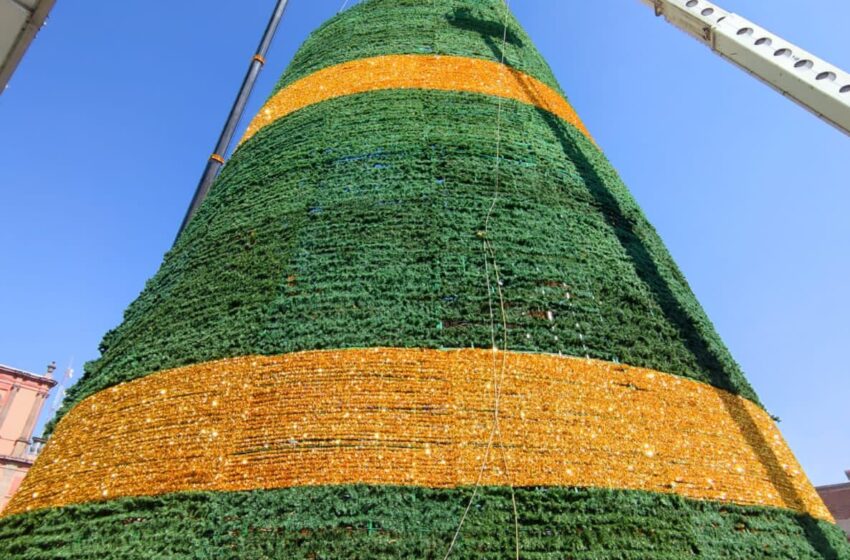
(362, 522)
(374, 240)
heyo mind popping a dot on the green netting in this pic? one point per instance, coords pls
(357, 223)
(472, 28)
(330, 523)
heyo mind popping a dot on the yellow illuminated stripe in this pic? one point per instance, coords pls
(412, 71)
(415, 417)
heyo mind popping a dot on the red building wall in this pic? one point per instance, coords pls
(22, 395)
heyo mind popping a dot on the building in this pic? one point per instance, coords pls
(22, 396)
(20, 21)
(418, 316)
(837, 499)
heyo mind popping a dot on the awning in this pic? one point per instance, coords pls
(20, 21)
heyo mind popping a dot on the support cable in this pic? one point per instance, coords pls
(499, 366)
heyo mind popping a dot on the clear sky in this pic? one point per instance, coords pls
(107, 124)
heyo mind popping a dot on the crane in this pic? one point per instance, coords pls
(813, 83)
(818, 86)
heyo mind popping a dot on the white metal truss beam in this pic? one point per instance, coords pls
(818, 86)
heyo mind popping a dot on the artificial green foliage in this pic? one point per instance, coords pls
(358, 222)
(369, 523)
(363, 222)
(470, 28)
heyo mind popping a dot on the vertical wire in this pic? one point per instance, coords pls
(498, 371)
(503, 311)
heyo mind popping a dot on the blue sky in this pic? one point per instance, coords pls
(107, 124)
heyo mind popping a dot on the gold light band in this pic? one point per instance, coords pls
(416, 417)
(413, 71)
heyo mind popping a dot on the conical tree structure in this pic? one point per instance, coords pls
(418, 316)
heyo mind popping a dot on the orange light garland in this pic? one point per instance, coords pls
(445, 73)
(415, 417)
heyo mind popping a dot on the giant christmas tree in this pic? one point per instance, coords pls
(419, 316)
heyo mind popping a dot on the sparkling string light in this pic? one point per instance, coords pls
(409, 417)
(446, 73)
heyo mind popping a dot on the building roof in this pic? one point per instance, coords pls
(837, 499)
(20, 20)
(28, 375)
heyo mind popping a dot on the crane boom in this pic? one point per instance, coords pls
(818, 86)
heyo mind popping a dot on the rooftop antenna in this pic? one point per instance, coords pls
(216, 160)
(61, 387)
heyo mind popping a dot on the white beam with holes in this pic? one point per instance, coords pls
(818, 86)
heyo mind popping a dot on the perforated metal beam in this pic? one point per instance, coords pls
(813, 83)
